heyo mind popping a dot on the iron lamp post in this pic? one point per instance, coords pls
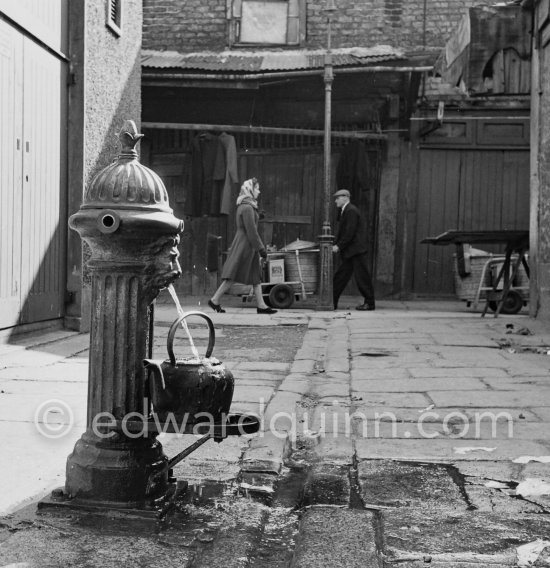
(325, 299)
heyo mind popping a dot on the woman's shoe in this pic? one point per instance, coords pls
(216, 307)
(266, 311)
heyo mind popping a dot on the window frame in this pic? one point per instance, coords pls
(295, 24)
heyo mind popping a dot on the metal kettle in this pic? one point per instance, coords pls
(192, 390)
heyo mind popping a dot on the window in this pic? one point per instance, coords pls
(267, 22)
(114, 16)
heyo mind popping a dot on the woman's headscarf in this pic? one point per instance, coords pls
(246, 194)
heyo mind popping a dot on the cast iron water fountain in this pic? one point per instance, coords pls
(118, 463)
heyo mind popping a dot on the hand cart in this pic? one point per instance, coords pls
(518, 292)
(502, 297)
(282, 294)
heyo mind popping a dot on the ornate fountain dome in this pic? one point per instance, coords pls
(127, 184)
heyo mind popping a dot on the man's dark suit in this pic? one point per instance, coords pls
(351, 239)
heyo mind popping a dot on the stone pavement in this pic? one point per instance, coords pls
(399, 423)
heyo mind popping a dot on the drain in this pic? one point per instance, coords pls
(375, 354)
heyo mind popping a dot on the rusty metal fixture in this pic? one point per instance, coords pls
(191, 389)
(132, 234)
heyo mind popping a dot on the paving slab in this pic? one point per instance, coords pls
(492, 399)
(417, 385)
(66, 370)
(331, 389)
(337, 364)
(542, 412)
(391, 484)
(335, 448)
(455, 430)
(457, 536)
(298, 384)
(303, 366)
(266, 452)
(280, 413)
(362, 371)
(335, 537)
(330, 419)
(517, 383)
(28, 477)
(446, 450)
(365, 342)
(459, 372)
(265, 366)
(431, 414)
(254, 394)
(392, 399)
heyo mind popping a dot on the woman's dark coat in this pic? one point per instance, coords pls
(243, 262)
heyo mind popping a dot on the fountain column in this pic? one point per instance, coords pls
(132, 233)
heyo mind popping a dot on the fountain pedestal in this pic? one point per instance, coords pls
(132, 233)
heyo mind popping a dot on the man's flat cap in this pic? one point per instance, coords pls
(342, 192)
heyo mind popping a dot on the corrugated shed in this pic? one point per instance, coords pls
(250, 61)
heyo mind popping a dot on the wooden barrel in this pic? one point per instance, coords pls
(309, 268)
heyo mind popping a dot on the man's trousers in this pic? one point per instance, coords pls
(358, 266)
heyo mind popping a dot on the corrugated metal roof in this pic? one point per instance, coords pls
(251, 61)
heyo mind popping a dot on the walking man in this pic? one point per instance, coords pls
(351, 243)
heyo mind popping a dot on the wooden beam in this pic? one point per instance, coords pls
(261, 130)
(293, 219)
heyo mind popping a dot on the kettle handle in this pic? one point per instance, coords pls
(176, 324)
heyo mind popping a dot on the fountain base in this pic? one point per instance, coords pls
(115, 468)
(153, 511)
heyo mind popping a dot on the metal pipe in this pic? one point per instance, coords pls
(459, 118)
(261, 130)
(328, 79)
(275, 74)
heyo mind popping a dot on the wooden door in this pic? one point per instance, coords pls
(462, 189)
(32, 179)
(43, 226)
(11, 136)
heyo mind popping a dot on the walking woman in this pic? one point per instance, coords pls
(243, 262)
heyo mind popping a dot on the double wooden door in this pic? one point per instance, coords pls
(464, 189)
(32, 180)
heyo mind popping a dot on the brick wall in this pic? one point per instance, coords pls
(196, 25)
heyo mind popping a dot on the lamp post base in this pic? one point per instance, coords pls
(325, 301)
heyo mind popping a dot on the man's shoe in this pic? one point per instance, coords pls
(266, 311)
(365, 307)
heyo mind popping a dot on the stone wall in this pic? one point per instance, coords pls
(201, 24)
(113, 81)
(539, 230)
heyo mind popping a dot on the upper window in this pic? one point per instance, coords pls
(267, 22)
(114, 16)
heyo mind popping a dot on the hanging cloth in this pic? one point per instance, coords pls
(203, 158)
(226, 174)
(352, 172)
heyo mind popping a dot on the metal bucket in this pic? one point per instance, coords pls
(303, 265)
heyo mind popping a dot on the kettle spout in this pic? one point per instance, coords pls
(157, 385)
